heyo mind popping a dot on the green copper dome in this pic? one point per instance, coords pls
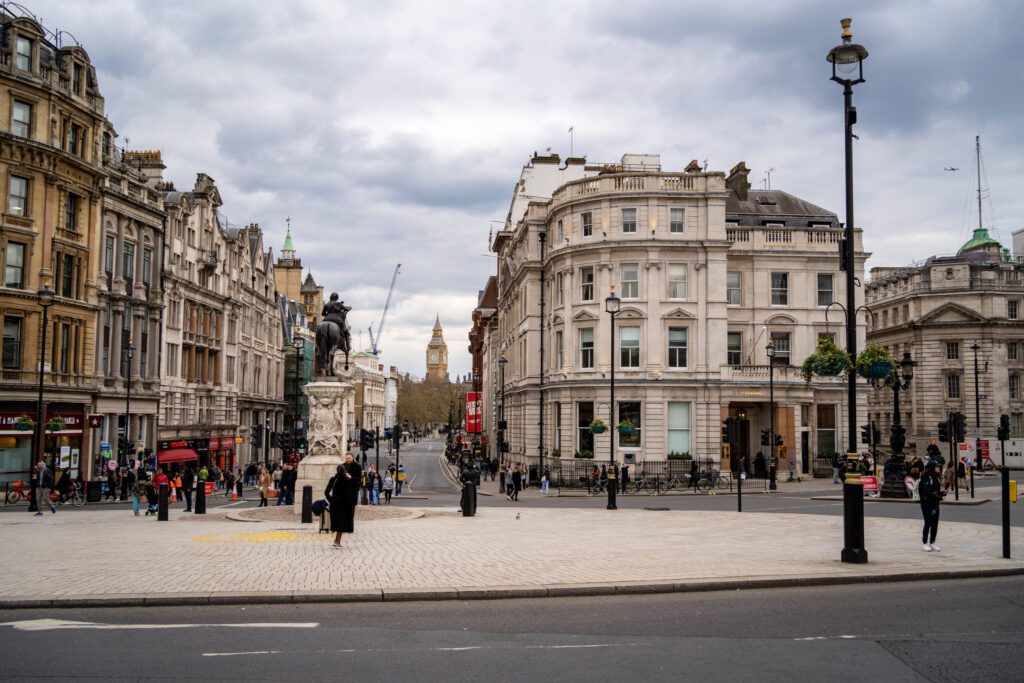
(288, 242)
(980, 239)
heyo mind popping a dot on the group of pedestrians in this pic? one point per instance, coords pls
(373, 484)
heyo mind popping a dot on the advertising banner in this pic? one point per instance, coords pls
(473, 421)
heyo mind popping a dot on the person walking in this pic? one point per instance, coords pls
(373, 483)
(947, 476)
(509, 485)
(961, 474)
(150, 492)
(263, 485)
(111, 485)
(545, 477)
(229, 483)
(44, 487)
(400, 479)
(931, 493)
(501, 482)
(389, 485)
(188, 482)
(179, 493)
(934, 453)
(624, 476)
(343, 492)
(517, 482)
(138, 491)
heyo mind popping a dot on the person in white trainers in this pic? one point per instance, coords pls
(931, 493)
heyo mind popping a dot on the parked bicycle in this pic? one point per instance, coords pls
(17, 492)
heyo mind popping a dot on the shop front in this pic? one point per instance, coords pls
(62, 443)
(222, 453)
(175, 455)
(198, 451)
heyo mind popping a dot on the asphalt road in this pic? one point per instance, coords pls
(942, 631)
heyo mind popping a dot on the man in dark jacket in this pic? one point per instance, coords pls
(44, 484)
(188, 481)
(931, 493)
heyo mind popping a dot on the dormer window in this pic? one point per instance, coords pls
(77, 78)
(23, 54)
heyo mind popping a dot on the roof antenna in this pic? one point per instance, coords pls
(768, 178)
(570, 140)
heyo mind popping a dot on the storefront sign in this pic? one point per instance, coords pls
(473, 420)
(72, 421)
(870, 483)
(214, 445)
(96, 421)
(181, 443)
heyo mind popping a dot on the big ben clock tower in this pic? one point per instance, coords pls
(437, 354)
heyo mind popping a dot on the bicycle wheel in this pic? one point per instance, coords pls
(13, 497)
(78, 500)
(703, 485)
(723, 483)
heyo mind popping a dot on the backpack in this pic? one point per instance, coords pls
(321, 506)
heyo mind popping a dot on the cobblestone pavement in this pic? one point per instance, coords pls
(111, 553)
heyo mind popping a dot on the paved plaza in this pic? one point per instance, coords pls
(436, 553)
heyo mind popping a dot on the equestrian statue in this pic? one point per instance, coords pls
(331, 334)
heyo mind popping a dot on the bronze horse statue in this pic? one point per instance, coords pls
(330, 337)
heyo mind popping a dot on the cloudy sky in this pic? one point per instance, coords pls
(395, 131)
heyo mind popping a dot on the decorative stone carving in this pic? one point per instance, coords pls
(331, 404)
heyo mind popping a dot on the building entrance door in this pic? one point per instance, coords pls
(805, 452)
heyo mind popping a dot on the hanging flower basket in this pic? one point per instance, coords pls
(874, 363)
(598, 427)
(55, 424)
(828, 360)
(626, 427)
(24, 423)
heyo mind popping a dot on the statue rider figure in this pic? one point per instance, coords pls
(337, 312)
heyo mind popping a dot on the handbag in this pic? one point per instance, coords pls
(54, 496)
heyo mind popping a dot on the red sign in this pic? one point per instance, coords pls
(870, 483)
(227, 443)
(214, 445)
(473, 421)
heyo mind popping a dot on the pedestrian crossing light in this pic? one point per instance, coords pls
(865, 434)
(765, 437)
(256, 432)
(944, 432)
(959, 427)
(779, 441)
(1003, 433)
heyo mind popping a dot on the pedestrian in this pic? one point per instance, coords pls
(374, 485)
(624, 476)
(288, 478)
(179, 494)
(188, 481)
(277, 482)
(240, 484)
(263, 482)
(150, 493)
(545, 477)
(517, 482)
(961, 474)
(123, 481)
(389, 485)
(63, 486)
(509, 485)
(930, 490)
(400, 479)
(947, 477)
(916, 467)
(138, 491)
(934, 453)
(501, 481)
(111, 485)
(342, 492)
(44, 488)
(204, 473)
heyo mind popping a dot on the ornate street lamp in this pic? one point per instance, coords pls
(129, 351)
(895, 467)
(612, 305)
(770, 349)
(502, 425)
(45, 295)
(847, 61)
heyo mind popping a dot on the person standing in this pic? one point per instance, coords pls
(624, 476)
(44, 486)
(229, 483)
(930, 490)
(188, 480)
(343, 492)
(545, 478)
(502, 483)
(961, 474)
(125, 484)
(389, 484)
(111, 485)
(933, 451)
(400, 480)
(138, 491)
(517, 482)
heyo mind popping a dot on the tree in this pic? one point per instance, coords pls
(427, 402)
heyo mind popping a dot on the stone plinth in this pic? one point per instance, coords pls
(330, 401)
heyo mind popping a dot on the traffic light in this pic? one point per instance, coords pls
(865, 434)
(122, 446)
(730, 430)
(779, 441)
(959, 426)
(275, 440)
(877, 434)
(1003, 432)
(725, 432)
(365, 439)
(944, 432)
(285, 439)
(301, 443)
(256, 433)
(765, 437)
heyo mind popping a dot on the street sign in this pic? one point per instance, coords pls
(870, 483)
(473, 422)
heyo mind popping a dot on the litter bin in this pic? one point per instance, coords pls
(94, 491)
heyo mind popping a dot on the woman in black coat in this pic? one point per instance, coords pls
(343, 492)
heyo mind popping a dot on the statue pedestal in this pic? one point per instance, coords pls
(330, 402)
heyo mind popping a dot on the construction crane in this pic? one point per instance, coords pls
(375, 338)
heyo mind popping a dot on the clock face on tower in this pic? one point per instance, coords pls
(433, 358)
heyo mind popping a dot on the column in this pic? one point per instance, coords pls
(115, 341)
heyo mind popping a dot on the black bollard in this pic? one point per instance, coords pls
(307, 504)
(1004, 482)
(200, 507)
(161, 505)
(468, 494)
(739, 490)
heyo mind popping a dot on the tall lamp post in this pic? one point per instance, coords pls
(895, 467)
(611, 305)
(502, 425)
(129, 353)
(977, 402)
(299, 344)
(45, 295)
(847, 61)
(772, 484)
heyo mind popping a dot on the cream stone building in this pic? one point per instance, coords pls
(288, 276)
(939, 310)
(370, 383)
(708, 272)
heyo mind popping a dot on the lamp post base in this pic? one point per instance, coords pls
(613, 482)
(895, 472)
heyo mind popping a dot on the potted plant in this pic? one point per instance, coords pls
(875, 363)
(676, 455)
(556, 453)
(828, 360)
(626, 427)
(24, 423)
(55, 424)
(598, 427)
(584, 454)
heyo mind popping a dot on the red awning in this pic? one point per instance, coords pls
(177, 455)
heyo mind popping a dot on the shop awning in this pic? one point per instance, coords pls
(177, 455)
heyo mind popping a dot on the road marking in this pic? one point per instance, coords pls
(459, 649)
(829, 638)
(236, 654)
(578, 647)
(60, 624)
(258, 537)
